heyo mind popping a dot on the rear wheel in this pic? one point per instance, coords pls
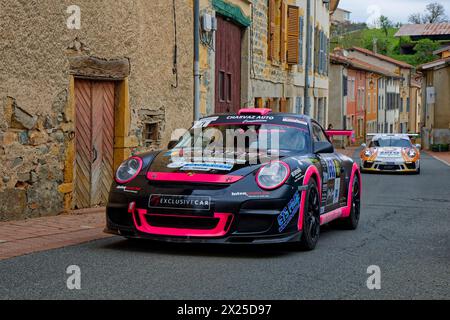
(311, 218)
(351, 223)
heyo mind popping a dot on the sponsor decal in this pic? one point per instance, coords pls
(176, 165)
(337, 190)
(295, 120)
(256, 194)
(163, 201)
(129, 189)
(331, 169)
(251, 118)
(289, 212)
(207, 166)
(203, 123)
(297, 174)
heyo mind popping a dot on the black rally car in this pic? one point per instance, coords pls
(251, 177)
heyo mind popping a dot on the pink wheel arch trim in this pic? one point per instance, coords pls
(221, 229)
(347, 210)
(311, 171)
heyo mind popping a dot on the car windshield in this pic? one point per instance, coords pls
(242, 137)
(391, 142)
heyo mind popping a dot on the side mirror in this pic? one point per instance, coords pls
(364, 145)
(418, 146)
(172, 144)
(323, 147)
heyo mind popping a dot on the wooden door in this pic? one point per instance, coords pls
(94, 142)
(228, 66)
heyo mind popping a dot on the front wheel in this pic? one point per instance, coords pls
(311, 218)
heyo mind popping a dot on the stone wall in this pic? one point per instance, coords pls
(35, 129)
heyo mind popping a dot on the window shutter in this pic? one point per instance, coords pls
(283, 32)
(272, 29)
(293, 35)
(300, 40)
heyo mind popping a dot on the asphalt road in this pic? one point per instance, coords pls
(405, 230)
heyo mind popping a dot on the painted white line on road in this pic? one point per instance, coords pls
(438, 159)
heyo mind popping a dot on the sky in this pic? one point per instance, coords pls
(396, 10)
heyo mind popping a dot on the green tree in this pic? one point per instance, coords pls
(424, 51)
(385, 24)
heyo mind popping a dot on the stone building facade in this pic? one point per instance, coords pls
(273, 55)
(85, 84)
(137, 54)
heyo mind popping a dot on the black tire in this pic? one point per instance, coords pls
(311, 218)
(351, 223)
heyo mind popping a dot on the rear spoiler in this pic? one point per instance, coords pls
(345, 133)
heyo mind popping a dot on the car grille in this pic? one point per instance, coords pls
(179, 222)
(389, 167)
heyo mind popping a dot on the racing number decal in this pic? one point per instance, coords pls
(331, 188)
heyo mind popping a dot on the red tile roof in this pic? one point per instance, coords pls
(383, 57)
(361, 65)
(430, 29)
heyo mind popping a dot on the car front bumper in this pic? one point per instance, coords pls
(388, 166)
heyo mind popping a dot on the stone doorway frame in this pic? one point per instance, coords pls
(93, 68)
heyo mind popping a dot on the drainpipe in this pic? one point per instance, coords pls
(308, 58)
(196, 60)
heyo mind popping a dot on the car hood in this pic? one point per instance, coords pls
(177, 161)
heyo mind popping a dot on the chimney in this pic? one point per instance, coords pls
(375, 45)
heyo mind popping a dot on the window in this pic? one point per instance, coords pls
(222, 86)
(151, 133)
(345, 85)
(318, 134)
(228, 87)
(408, 106)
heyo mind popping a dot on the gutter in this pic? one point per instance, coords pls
(196, 60)
(308, 58)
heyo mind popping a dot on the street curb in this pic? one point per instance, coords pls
(438, 159)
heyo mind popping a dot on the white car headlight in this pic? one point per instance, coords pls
(273, 175)
(128, 170)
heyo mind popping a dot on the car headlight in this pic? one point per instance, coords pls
(273, 175)
(412, 153)
(368, 153)
(128, 170)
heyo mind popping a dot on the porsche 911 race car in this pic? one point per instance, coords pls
(391, 153)
(252, 177)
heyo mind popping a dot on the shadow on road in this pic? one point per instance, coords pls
(251, 251)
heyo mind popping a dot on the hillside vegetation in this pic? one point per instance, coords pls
(387, 44)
